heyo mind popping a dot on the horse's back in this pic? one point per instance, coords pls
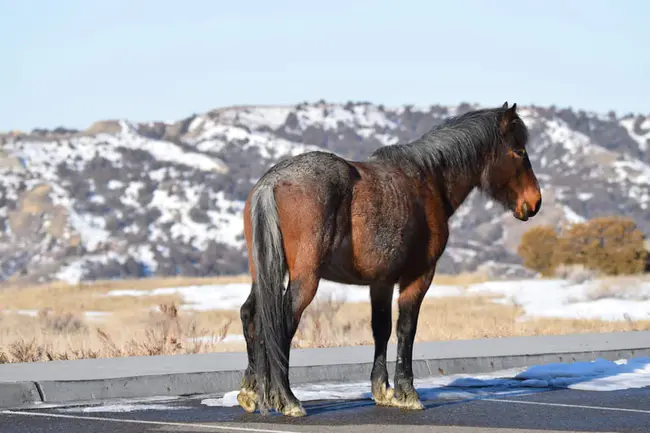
(355, 221)
(324, 168)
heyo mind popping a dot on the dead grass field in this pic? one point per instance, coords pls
(55, 327)
(89, 296)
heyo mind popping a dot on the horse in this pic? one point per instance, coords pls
(381, 222)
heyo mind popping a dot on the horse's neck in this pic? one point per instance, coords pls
(458, 184)
(456, 190)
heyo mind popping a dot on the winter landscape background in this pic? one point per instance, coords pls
(129, 200)
(132, 132)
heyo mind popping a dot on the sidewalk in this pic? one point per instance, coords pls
(24, 384)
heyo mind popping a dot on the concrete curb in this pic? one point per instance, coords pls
(18, 394)
(96, 379)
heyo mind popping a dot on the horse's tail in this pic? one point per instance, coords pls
(270, 316)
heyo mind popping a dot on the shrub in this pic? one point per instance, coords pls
(609, 245)
(537, 247)
(60, 323)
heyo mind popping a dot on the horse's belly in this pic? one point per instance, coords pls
(344, 275)
(340, 267)
(359, 266)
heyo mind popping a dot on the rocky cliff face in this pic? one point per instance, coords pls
(124, 199)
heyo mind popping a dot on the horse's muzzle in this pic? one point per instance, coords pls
(528, 211)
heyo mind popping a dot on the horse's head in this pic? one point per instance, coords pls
(510, 179)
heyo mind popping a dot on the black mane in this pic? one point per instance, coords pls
(461, 144)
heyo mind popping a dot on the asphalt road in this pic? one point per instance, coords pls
(542, 411)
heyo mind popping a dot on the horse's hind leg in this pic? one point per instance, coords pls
(301, 292)
(381, 297)
(303, 285)
(247, 396)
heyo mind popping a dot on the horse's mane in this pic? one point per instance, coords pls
(460, 144)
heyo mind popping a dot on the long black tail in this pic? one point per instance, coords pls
(271, 328)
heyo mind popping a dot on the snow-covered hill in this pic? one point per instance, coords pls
(125, 199)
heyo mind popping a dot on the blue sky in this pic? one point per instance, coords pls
(71, 62)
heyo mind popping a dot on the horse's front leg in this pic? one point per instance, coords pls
(411, 294)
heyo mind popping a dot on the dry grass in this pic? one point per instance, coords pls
(155, 325)
(53, 335)
(134, 325)
(90, 296)
(464, 279)
(449, 318)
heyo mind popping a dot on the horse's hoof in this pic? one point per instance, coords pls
(409, 401)
(294, 410)
(384, 395)
(247, 400)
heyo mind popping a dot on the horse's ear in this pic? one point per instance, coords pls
(508, 118)
(505, 105)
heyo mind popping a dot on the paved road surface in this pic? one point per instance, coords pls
(542, 411)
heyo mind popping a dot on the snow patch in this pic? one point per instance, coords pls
(597, 375)
(538, 297)
(571, 216)
(232, 296)
(642, 140)
(560, 298)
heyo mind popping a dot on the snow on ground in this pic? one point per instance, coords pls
(538, 297)
(123, 405)
(561, 298)
(232, 296)
(642, 139)
(432, 388)
(598, 375)
(91, 315)
(230, 338)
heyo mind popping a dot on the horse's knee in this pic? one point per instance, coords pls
(246, 311)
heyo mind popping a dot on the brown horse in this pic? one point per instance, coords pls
(382, 222)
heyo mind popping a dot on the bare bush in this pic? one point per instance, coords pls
(576, 274)
(624, 290)
(26, 351)
(61, 323)
(167, 333)
(317, 327)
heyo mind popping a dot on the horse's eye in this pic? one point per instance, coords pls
(520, 152)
